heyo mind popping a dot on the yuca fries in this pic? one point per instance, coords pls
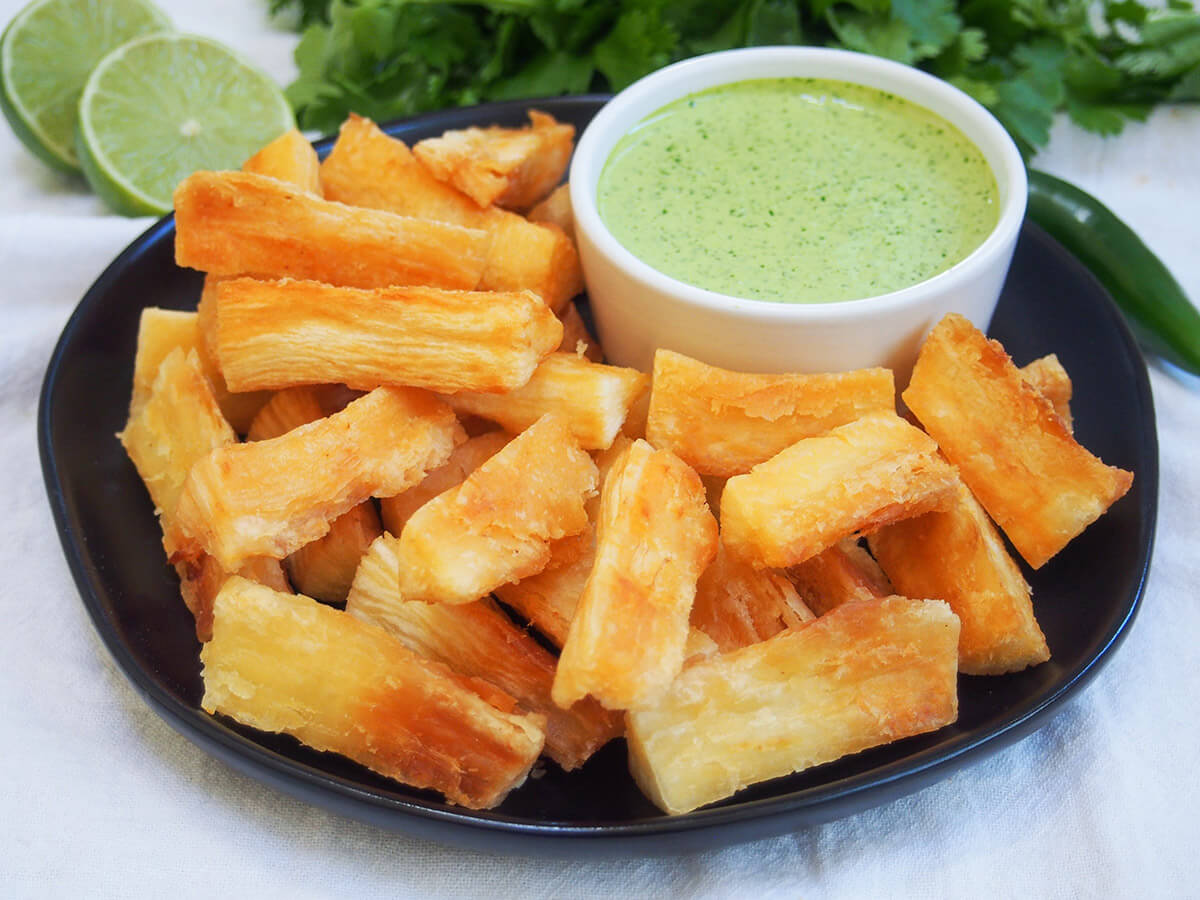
(957, 555)
(174, 421)
(466, 458)
(724, 676)
(285, 663)
(369, 169)
(1013, 450)
(500, 523)
(592, 399)
(272, 497)
(291, 158)
(841, 574)
(654, 536)
(725, 423)
(477, 639)
(1051, 380)
(238, 223)
(858, 477)
(737, 605)
(556, 210)
(509, 167)
(276, 334)
(324, 568)
(865, 674)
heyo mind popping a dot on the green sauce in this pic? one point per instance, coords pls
(797, 190)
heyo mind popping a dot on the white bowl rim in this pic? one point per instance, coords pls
(998, 242)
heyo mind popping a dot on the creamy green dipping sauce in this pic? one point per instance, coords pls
(797, 190)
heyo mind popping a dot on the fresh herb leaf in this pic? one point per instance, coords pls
(1102, 63)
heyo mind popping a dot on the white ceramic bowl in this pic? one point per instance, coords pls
(639, 309)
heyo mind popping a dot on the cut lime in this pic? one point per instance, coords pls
(46, 55)
(162, 106)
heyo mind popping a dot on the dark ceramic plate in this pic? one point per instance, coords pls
(1085, 598)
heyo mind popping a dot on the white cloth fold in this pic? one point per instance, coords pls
(102, 799)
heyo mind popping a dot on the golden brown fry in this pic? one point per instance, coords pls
(466, 458)
(856, 478)
(593, 399)
(276, 334)
(843, 573)
(654, 536)
(958, 556)
(1051, 380)
(556, 210)
(509, 167)
(1010, 446)
(162, 330)
(548, 598)
(478, 640)
(368, 168)
(737, 605)
(725, 423)
(174, 421)
(498, 525)
(285, 663)
(863, 675)
(291, 158)
(325, 568)
(238, 223)
(269, 498)
(200, 580)
(170, 429)
(576, 337)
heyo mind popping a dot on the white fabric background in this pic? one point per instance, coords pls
(102, 799)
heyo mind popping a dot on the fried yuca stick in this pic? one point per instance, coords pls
(865, 674)
(285, 663)
(724, 423)
(548, 598)
(958, 556)
(368, 168)
(509, 167)
(276, 334)
(174, 421)
(556, 210)
(478, 640)
(843, 573)
(576, 337)
(239, 223)
(737, 604)
(593, 399)
(654, 536)
(856, 478)
(1051, 380)
(291, 158)
(162, 330)
(325, 568)
(499, 524)
(269, 498)
(1012, 449)
(466, 458)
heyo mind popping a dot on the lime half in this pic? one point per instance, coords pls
(46, 55)
(162, 106)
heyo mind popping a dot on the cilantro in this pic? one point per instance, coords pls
(1102, 63)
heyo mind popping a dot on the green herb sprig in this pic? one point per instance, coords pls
(1103, 63)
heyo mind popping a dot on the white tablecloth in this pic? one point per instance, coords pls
(101, 798)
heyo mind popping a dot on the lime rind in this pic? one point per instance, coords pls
(55, 25)
(162, 106)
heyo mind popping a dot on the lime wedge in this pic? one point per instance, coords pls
(46, 55)
(162, 106)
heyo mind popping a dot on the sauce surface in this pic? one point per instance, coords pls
(797, 190)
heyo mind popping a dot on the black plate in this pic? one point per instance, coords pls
(1085, 598)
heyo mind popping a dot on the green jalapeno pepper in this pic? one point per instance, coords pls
(1159, 312)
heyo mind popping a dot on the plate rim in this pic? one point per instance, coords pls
(481, 828)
